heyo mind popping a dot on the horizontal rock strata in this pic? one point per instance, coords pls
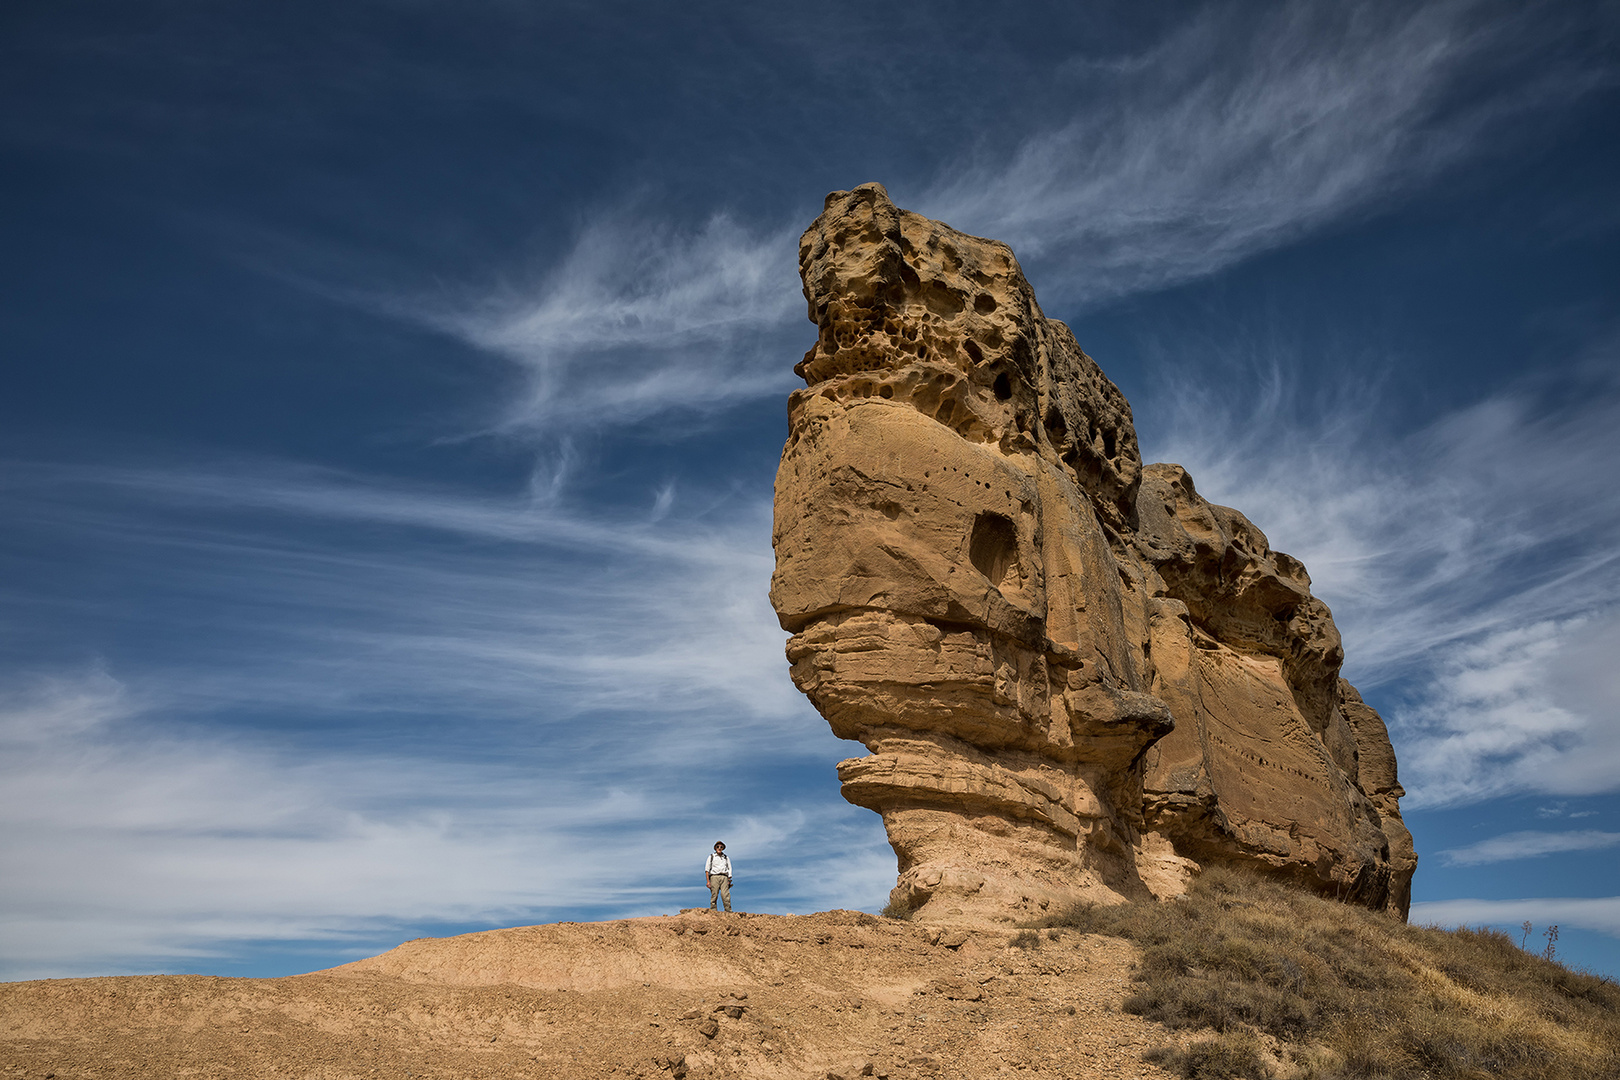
(1077, 679)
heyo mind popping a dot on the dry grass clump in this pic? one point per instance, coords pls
(1293, 984)
(896, 909)
(1230, 1054)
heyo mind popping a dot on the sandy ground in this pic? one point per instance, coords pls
(688, 996)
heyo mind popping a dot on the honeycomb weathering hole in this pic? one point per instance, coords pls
(993, 547)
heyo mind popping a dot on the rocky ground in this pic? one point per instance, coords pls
(691, 996)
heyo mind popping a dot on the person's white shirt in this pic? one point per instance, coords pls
(717, 864)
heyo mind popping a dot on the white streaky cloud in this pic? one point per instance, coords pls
(668, 619)
(1234, 135)
(129, 850)
(663, 499)
(857, 873)
(49, 707)
(70, 495)
(1529, 844)
(1498, 719)
(640, 319)
(1470, 565)
(1600, 913)
(569, 705)
(1238, 134)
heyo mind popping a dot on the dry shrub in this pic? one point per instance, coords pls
(897, 909)
(1231, 1056)
(1352, 994)
(1026, 939)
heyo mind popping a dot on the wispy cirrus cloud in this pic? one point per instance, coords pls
(1599, 913)
(357, 706)
(533, 601)
(1236, 134)
(131, 851)
(641, 318)
(1521, 709)
(1528, 844)
(1239, 133)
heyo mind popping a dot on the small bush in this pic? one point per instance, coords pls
(1233, 1056)
(897, 909)
(1082, 917)
(1025, 939)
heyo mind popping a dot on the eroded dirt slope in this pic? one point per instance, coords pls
(693, 995)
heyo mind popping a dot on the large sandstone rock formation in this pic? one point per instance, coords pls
(1076, 678)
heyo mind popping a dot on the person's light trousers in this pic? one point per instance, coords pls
(719, 889)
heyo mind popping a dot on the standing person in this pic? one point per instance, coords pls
(717, 876)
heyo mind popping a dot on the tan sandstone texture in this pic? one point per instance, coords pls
(1077, 679)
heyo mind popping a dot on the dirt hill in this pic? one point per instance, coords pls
(1243, 977)
(693, 995)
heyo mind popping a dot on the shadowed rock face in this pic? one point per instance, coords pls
(1076, 678)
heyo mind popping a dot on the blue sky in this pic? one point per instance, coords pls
(392, 393)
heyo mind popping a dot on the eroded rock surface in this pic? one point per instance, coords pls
(1077, 679)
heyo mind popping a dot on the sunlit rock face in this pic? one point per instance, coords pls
(1077, 679)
